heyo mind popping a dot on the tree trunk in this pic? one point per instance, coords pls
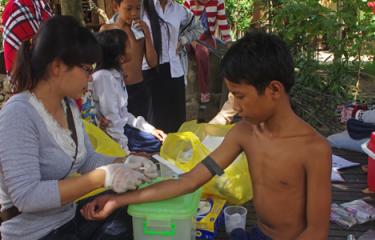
(72, 8)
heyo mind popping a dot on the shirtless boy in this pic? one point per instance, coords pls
(290, 162)
(129, 12)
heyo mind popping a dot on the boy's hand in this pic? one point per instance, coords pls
(159, 134)
(103, 123)
(100, 208)
(141, 25)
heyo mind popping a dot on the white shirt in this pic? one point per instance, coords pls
(111, 100)
(174, 15)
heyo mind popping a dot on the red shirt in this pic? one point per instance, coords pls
(215, 10)
(21, 20)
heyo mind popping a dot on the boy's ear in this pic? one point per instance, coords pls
(276, 88)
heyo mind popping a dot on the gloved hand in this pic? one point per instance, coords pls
(142, 164)
(121, 178)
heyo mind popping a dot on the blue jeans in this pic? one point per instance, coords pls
(139, 141)
(118, 226)
(254, 234)
(342, 140)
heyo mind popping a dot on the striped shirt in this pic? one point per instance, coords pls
(21, 20)
(215, 10)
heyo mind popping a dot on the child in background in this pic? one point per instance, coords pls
(212, 15)
(290, 162)
(111, 97)
(140, 45)
(172, 28)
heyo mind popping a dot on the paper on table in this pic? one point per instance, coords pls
(340, 163)
(335, 176)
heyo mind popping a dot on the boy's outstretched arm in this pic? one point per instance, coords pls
(318, 202)
(102, 207)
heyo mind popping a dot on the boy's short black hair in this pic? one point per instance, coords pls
(257, 59)
(113, 44)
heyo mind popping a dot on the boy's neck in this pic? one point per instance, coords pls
(282, 122)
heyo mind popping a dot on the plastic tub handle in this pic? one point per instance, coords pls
(148, 231)
(367, 150)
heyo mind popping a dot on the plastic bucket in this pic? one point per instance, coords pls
(369, 148)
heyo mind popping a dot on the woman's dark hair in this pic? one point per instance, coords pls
(155, 21)
(257, 59)
(113, 47)
(60, 37)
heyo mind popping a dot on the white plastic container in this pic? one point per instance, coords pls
(235, 217)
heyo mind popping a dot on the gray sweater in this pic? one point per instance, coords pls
(31, 164)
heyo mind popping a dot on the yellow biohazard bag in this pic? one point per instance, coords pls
(185, 150)
(101, 142)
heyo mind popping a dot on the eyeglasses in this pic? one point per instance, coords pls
(89, 69)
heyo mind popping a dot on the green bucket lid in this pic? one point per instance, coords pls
(181, 207)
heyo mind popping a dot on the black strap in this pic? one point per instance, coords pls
(187, 25)
(13, 211)
(71, 125)
(72, 128)
(212, 166)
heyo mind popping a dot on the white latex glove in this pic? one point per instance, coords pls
(142, 164)
(121, 178)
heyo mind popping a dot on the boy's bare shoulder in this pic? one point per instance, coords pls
(316, 148)
(243, 127)
(242, 130)
(110, 26)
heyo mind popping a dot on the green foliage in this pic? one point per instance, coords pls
(2, 5)
(347, 33)
(239, 14)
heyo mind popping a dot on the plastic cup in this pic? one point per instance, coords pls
(235, 217)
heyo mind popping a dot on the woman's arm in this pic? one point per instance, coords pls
(71, 189)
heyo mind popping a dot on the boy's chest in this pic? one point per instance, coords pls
(278, 164)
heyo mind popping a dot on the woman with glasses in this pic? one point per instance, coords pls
(42, 142)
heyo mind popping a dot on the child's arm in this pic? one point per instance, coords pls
(149, 50)
(100, 208)
(318, 171)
